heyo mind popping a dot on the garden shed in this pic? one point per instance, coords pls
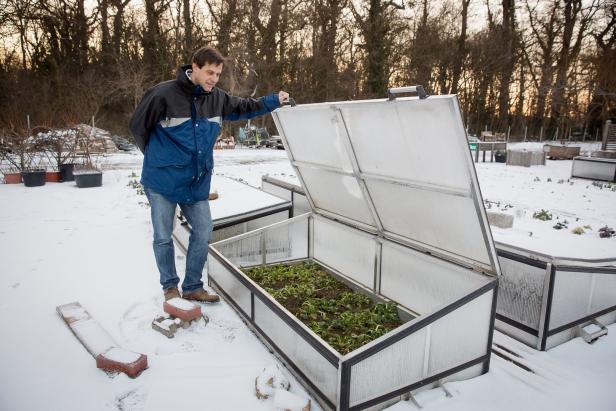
(396, 213)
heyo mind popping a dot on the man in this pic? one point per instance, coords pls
(175, 125)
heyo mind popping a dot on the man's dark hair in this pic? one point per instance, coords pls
(207, 55)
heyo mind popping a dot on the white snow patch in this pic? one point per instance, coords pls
(121, 355)
(181, 304)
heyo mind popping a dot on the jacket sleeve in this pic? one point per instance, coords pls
(149, 112)
(237, 108)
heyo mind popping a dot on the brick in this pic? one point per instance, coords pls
(182, 309)
(119, 360)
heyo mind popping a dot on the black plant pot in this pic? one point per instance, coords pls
(89, 179)
(500, 157)
(66, 172)
(34, 178)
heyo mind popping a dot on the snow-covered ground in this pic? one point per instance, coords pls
(61, 244)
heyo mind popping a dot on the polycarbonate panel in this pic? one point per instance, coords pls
(320, 372)
(300, 204)
(350, 251)
(396, 366)
(409, 143)
(520, 292)
(244, 251)
(266, 220)
(228, 232)
(411, 138)
(313, 136)
(596, 169)
(337, 193)
(571, 297)
(448, 222)
(287, 241)
(230, 284)
(604, 292)
(276, 190)
(461, 335)
(422, 282)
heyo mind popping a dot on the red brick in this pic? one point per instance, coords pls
(132, 369)
(183, 314)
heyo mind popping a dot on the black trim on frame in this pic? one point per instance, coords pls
(423, 321)
(581, 320)
(252, 307)
(421, 383)
(593, 270)
(486, 364)
(521, 259)
(250, 216)
(548, 311)
(517, 325)
(310, 339)
(345, 386)
(262, 334)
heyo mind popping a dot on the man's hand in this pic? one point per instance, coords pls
(283, 96)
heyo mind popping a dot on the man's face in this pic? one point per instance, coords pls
(206, 76)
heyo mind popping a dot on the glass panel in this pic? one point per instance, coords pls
(347, 250)
(426, 135)
(520, 292)
(444, 221)
(322, 373)
(313, 136)
(394, 367)
(422, 282)
(460, 336)
(229, 284)
(337, 193)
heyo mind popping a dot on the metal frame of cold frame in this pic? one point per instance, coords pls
(344, 363)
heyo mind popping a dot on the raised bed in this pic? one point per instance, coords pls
(561, 152)
(413, 233)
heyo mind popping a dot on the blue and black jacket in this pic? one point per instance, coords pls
(176, 125)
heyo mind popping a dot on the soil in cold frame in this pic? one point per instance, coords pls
(344, 318)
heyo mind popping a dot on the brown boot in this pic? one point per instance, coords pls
(202, 296)
(171, 293)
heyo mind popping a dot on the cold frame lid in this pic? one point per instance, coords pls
(399, 168)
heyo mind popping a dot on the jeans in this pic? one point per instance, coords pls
(200, 220)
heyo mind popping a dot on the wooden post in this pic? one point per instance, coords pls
(541, 134)
(584, 134)
(525, 131)
(508, 132)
